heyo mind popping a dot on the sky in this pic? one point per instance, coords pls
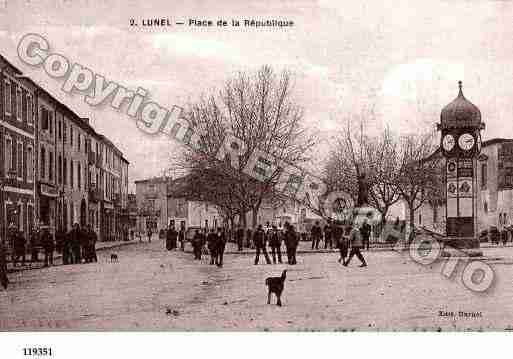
(394, 63)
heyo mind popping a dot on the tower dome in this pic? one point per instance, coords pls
(460, 112)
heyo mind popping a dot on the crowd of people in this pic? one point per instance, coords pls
(77, 246)
(349, 239)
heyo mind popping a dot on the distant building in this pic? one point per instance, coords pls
(151, 199)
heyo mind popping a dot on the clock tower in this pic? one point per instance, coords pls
(460, 126)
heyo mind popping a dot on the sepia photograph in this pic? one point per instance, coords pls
(256, 166)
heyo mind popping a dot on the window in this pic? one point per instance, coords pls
(420, 218)
(8, 154)
(24, 106)
(64, 134)
(19, 154)
(59, 131)
(19, 108)
(65, 171)
(435, 214)
(50, 166)
(78, 141)
(43, 163)
(485, 207)
(71, 135)
(59, 170)
(30, 115)
(45, 114)
(50, 122)
(79, 175)
(7, 97)
(71, 173)
(30, 164)
(484, 175)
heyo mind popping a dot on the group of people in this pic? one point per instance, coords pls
(215, 242)
(76, 246)
(332, 234)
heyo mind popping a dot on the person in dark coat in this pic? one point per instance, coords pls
(221, 244)
(197, 244)
(84, 244)
(356, 241)
(249, 238)
(291, 243)
(92, 238)
(171, 237)
(212, 246)
(48, 246)
(149, 233)
(343, 243)
(259, 243)
(181, 238)
(19, 248)
(316, 235)
(239, 236)
(34, 245)
(275, 244)
(328, 236)
(67, 255)
(75, 236)
(365, 231)
(62, 245)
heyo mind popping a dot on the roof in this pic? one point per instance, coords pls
(153, 179)
(460, 112)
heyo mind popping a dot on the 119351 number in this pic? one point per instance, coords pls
(36, 351)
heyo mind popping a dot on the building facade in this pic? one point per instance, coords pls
(56, 169)
(18, 148)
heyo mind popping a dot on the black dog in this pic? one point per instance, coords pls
(276, 285)
(113, 257)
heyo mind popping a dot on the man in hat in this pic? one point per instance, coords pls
(275, 243)
(316, 235)
(48, 246)
(75, 237)
(19, 248)
(259, 242)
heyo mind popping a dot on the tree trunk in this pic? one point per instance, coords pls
(412, 219)
(242, 217)
(254, 216)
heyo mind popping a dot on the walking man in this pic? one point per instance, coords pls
(75, 236)
(355, 238)
(365, 231)
(275, 243)
(316, 235)
(343, 242)
(34, 245)
(259, 242)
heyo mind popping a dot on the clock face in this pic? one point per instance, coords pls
(466, 141)
(448, 142)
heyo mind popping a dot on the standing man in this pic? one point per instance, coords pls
(355, 238)
(291, 242)
(66, 248)
(259, 242)
(212, 246)
(197, 244)
(365, 231)
(316, 235)
(34, 245)
(149, 233)
(19, 248)
(93, 238)
(249, 238)
(181, 238)
(343, 242)
(75, 241)
(48, 246)
(171, 237)
(275, 243)
(328, 236)
(221, 244)
(239, 235)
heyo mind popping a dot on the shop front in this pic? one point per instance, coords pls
(47, 205)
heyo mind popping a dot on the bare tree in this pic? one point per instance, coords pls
(260, 110)
(419, 175)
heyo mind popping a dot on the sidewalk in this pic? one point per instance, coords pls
(57, 257)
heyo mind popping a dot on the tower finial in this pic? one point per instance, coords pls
(460, 85)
